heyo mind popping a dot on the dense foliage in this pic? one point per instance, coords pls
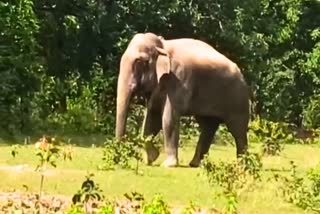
(59, 59)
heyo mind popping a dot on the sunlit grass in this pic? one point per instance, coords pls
(179, 186)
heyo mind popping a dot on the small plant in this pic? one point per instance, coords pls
(122, 153)
(47, 153)
(189, 128)
(191, 208)
(303, 191)
(15, 150)
(234, 177)
(272, 135)
(156, 205)
(311, 114)
(223, 136)
(134, 196)
(89, 194)
(106, 208)
(252, 164)
(74, 210)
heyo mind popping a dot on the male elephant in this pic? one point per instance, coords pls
(182, 77)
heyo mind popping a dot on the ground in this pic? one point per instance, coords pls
(179, 186)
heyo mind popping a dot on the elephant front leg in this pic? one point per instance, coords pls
(151, 126)
(170, 126)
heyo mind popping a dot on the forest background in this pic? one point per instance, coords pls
(59, 60)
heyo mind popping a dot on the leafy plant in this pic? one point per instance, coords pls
(234, 178)
(272, 135)
(252, 164)
(122, 152)
(311, 114)
(189, 128)
(303, 191)
(191, 208)
(223, 136)
(106, 208)
(47, 154)
(156, 205)
(15, 150)
(89, 194)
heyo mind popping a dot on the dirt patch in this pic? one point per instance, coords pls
(30, 203)
(11, 202)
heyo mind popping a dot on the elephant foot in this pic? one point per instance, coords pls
(152, 154)
(194, 163)
(170, 162)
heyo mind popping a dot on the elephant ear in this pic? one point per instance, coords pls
(163, 63)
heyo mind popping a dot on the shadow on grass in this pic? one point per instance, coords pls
(276, 170)
(79, 139)
(181, 166)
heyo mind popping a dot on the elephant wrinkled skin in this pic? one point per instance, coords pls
(182, 77)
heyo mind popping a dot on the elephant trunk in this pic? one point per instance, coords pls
(123, 99)
(126, 85)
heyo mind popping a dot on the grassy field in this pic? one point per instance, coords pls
(179, 186)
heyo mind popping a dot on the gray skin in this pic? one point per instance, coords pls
(182, 77)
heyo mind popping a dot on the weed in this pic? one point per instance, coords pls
(302, 191)
(156, 205)
(48, 152)
(252, 164)
(89, 194)
(192, 208)
(234, 177)
(15, 150)
(223, 136)
(123, 152)
(272, 135)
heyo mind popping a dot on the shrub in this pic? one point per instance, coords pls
(88, 196)
(234, 177)
(311, 114)
(223, 136)
(123, 152)
(303, 191)
(156, 205)
(272, 135)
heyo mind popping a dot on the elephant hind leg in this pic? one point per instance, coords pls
(238, 127)
(208, 127)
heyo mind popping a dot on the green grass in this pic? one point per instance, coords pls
(179, 186)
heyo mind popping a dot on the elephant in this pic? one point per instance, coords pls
(182, 77)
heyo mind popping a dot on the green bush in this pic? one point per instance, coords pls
(123, 153)
(155, 206)
(223, 136)
(303, 191)
(272, 135)
(234, 178)
(311, 114)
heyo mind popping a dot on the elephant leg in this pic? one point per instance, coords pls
(208, 127)
(151, 126)
(238, 126)
(170, 126)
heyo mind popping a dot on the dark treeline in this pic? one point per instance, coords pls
(59, 58)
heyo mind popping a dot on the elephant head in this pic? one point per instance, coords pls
(142, 65)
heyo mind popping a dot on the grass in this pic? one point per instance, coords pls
(179, 186)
